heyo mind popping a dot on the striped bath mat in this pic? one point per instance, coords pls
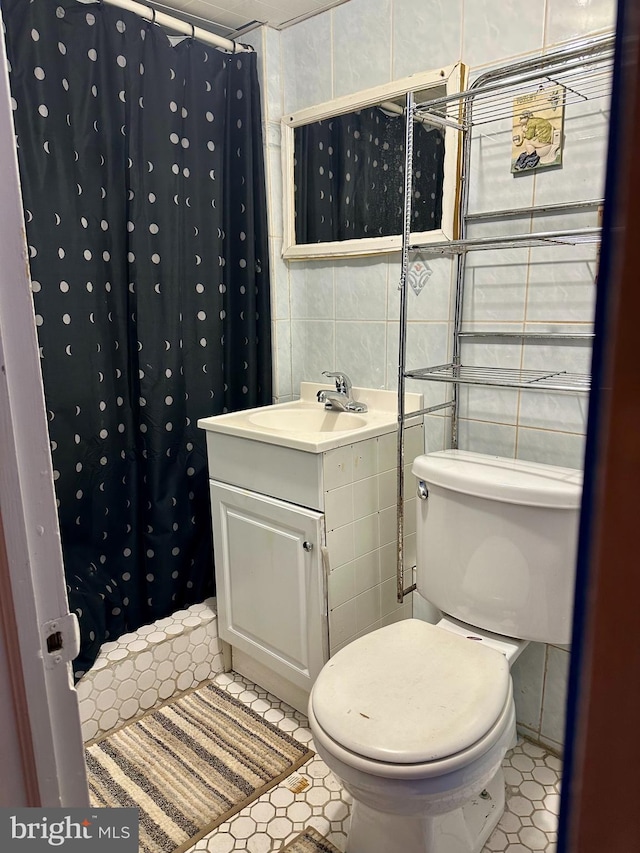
(190, 765)
(310, 841)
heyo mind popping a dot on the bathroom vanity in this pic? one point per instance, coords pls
(304, 507)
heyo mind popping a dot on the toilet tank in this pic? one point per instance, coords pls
(496, 542)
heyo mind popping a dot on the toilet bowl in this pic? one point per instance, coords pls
(415, 719)
(416, 746)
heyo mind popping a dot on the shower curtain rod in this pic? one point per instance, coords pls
(176, 24)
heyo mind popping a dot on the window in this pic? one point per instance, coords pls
(343, 166)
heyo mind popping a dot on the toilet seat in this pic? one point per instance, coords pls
(500, 737)
(411, 693)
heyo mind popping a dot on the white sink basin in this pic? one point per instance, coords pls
(297, 420)
(305, 424)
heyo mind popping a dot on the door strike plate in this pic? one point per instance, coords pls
(60, 640)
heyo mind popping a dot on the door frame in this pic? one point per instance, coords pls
(599, 790)
(32, 584)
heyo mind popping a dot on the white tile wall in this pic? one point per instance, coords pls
(540, 677)
(427, 343)
(139, 671)
(307, 69)
(411, 20)
(571, 19)
(496, 289)
(493, 29)
(365, 24)
(528, 685)
(363, 345)
(551, 447)
(360, 516)
(313, 350)
(434, 303)
(494, 186)
(360, 44)
(554, 696)
(312, 291)
(487, 437)
(361, 289)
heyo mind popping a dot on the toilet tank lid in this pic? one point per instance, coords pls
(497, 478)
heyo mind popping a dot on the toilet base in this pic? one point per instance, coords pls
(463, 830)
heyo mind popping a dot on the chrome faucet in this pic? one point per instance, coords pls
(342, 398)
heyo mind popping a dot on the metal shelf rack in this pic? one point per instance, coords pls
(584, 71)
(571, 237)
(544, 380)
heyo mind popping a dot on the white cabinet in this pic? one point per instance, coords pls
(270, 584)
(303, 541)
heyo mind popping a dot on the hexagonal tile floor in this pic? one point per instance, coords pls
(528, 824)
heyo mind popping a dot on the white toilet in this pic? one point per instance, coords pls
(414, 718)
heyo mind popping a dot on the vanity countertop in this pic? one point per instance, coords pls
(305, 424)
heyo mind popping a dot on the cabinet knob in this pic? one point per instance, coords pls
(308, 546)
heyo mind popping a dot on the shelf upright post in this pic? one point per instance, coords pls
(461, 262)
(402, 336)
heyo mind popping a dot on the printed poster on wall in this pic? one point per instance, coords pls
(538, 129)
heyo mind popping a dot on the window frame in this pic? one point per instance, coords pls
(452, 78)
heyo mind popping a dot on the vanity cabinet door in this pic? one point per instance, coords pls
(269, 579)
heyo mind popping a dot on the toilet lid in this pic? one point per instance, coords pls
(410, 693)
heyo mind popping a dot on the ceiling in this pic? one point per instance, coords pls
(231, 17)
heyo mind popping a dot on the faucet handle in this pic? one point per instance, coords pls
(343, 383)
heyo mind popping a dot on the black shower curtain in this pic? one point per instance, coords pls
(143, 185)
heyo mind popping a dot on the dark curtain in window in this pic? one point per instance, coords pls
(143, 185)
(349, 177)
